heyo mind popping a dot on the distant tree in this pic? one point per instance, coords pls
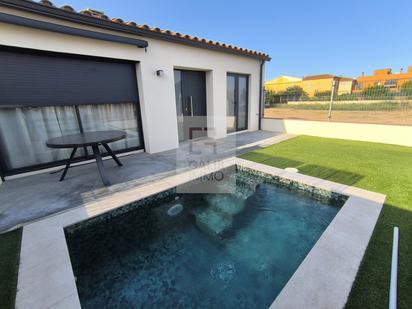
(271, 97)
(376, 92)
(346, 97)
(295, 91)
(323, 95)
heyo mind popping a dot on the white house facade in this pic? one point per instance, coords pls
(63, 72)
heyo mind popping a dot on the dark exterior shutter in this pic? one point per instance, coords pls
(48, 79)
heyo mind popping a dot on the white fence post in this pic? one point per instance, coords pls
(331, 98)
(394, 270)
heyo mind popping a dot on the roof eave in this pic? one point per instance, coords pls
(76, 17)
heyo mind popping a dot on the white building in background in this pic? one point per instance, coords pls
(64, 71)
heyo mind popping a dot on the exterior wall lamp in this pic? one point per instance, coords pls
(160, 73)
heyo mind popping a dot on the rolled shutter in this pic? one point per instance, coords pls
(48, 79)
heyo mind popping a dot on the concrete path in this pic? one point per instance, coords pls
(30, 198)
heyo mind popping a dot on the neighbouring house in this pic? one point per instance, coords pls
(383, 77)
(282, 83)
(64, 72)
(345, 85)
(314, 84)
(311, 84)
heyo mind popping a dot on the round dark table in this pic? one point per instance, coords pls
(92, 139)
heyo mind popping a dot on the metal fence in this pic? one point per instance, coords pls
(377, 104)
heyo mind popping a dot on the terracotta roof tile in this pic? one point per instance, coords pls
(117, 20)
(100, 15)
(67, 8)
(85, 12)
(46, 2)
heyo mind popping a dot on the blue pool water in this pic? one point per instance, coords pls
(225, 250)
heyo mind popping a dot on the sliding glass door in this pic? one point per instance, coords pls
(24, 131)
(237, 102)
(102, 117)
(190, 87)
(45, 94)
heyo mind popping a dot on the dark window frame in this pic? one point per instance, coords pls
(236, 76)
(391, 83)
(358, 86)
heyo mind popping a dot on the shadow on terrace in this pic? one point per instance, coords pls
(33, 197)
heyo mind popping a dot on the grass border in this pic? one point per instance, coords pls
(10, 245)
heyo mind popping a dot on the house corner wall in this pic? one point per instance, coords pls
(158, 107)
(216, 109)
(156, 93)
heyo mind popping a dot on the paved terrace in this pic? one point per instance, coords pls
(29, 198)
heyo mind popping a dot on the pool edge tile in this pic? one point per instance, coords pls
(59, 221)
(37, 278)
(325, 277)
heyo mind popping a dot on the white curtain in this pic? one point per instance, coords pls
(24, 131)
(112, 117)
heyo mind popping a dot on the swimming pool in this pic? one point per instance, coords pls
(235, 247)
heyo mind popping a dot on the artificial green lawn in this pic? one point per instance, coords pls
(376, 167)
(9, 263)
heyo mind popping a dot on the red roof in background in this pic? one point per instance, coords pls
(325, 76)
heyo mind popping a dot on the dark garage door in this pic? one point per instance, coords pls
(51, 94)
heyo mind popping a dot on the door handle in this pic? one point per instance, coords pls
(191, 105)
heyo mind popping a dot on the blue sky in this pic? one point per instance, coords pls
(302, 37)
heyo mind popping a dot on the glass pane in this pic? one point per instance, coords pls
(230, 106)
(178, 91)
(179, 104)
(24, 131)
(242, 106)
(105, 117)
